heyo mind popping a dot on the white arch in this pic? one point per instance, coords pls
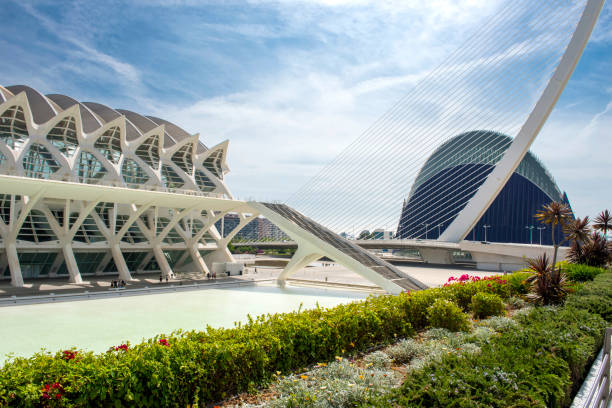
(495, 182)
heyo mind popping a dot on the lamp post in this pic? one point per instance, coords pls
(486, 227)
(541, 228)
(426, 229)
(530, 228)
(439, 225)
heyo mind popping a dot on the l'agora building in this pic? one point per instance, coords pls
(54, 137)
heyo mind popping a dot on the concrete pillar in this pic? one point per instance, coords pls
(300, 259)
(15, 267)
(71, 264)
(161, 260)
(124, 272)
(198, 260)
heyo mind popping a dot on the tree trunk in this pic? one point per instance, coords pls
(554, 260)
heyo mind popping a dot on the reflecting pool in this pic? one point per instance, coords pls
(101, 323)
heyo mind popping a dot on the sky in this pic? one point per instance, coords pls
(290, 83)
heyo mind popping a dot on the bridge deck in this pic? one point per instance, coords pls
(382, 268)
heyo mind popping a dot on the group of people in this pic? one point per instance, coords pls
(161, 277)
(211, 275)
(118, 284)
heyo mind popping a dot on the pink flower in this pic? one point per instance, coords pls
(123, 347)
(164, 342)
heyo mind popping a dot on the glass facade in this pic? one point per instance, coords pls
(182, 158)
(109, 144)
(13, 129)
(64, 136)
(213, 163)
(203, 182)
(148, 152)
(133, 174)
(453, 174)
(170, 178)
(39, 162)
(89, 169)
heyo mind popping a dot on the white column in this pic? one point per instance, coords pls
(124, 272)
(161, 260)
(71, 264)
(14, 266)
(197, 259)
(300, 259)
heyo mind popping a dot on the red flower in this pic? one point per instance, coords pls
(69, 355)
(123, 347)
(164, 342)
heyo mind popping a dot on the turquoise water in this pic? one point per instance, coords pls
(99, 324)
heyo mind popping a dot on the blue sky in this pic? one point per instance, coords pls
(289, 83)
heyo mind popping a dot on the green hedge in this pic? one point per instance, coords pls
(580, 272)
(206, 366)
(540, 365)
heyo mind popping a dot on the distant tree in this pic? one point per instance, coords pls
(365, 234)
(556, 214)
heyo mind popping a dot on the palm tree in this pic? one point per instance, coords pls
(603, 222)
(555, 213)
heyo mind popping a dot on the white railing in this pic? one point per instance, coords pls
(599, 395)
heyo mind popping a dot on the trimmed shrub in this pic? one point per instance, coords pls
(447, 315)
(580, 272)
(487, 304)
(205, 366)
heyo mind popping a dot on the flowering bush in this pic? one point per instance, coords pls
(164, 342)
(123, 347)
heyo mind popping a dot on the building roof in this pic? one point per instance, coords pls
(485, 147)
(94, 115)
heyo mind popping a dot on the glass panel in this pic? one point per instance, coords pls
(133, 174)
(39, 162)
(148, 151)
(36, 228)
(109, 144)
(204, 182)
(170, 178)
(13, 130)
(213, 163)
(182, 158)
(64, 136)
(36, 264)
(89, 169)
(133, 235)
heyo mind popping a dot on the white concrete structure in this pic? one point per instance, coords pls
(478, 204)
(87, 189)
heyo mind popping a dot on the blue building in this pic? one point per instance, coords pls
(453, 174)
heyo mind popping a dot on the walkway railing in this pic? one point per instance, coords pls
(599, 396)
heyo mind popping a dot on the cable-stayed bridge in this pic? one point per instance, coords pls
(505, 80)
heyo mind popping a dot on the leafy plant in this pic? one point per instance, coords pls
(487, 304)
(595, 252)
(446, 314)
(548, 285)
